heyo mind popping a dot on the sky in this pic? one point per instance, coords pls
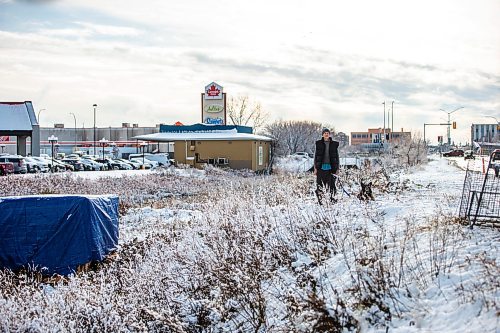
(333, 62)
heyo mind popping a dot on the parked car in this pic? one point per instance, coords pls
(110, 164)
(44, 164)
(162, 159)
(454, 152)
(6, 168)
(18, 161)
(148, 164)
(60, 166)
(33, 165)
(91, 165)
(134, 165)
(469, 155)
(123, 165)
(300, 154)
(77, 165)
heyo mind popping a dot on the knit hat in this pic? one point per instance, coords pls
(325, 130)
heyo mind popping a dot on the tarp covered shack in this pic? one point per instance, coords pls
(57, 233)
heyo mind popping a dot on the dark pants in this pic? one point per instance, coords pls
(325, 181)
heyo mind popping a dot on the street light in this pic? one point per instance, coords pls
(392, 118)
(74, 117)
(143, 146)
(493, 118)
(383, 133)
(103, 142)
(95, 107)
(449, 113)
(52, 139)
(38, 117)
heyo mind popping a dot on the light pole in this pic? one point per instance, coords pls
(449, 113)
(38, 117)
(52, 139)
(143, 146)
(95, 107)
(103, 142)
(383, 133)
(392, 119)
(74, 117)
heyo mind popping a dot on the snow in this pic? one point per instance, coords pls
(400, 263)
(211, 135)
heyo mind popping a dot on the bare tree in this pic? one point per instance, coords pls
(410, 151)
(242, 111)
(292, 136)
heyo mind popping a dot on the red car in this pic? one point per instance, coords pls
(6, 168)
(454, 152)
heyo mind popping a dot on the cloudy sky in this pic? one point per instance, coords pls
(330, 61)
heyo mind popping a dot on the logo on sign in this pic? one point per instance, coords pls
(214, 121)
(213, 91)
(214, 108)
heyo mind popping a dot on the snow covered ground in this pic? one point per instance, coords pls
(230, 252)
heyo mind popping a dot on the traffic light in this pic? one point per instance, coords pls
(454, 125)
(440, 138)
(498, 127)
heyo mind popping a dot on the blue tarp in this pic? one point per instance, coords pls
(58, 232)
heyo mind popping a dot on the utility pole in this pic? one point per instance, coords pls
(74, 117)
(383, 133)
(392, 118)
(95, 107)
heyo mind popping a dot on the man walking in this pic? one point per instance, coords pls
(326, 165)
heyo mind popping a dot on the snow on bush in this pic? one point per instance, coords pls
(230, 252)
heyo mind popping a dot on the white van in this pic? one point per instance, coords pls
(162, 159)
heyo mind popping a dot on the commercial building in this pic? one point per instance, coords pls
(485, 133)
(18, 125)
(376, 135)
(201, 144)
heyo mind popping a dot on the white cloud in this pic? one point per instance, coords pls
(327, 61)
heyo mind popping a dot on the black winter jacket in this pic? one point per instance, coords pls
(320, 152)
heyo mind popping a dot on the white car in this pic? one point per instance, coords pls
(161, 158)
(300, 154)
(151, 164)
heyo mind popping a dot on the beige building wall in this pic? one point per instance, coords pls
(240, 154)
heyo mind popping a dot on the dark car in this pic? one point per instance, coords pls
(77, 165)
(453, 153)
(111, 164)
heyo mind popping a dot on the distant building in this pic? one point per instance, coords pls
(342, 138)
(70, 139)
(376, 135)
(485, 133)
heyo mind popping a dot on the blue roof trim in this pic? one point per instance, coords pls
(204, 128)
